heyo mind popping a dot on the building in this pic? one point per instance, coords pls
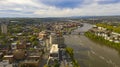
(54, 52)
(13, 46)
(57, 39)
(21, 46)
(9, 58)
(4, 48)
(30, 63)
(4, 28)
(5, 63)
(53, 38)
(34, 55)
(42, 35)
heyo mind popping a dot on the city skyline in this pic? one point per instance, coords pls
(61, 8)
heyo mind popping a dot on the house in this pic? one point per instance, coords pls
(5, 63)
(35, 55)
(14, 46)
(4, 48)
(9, 58)
(22, 45)
(108, 35)
(42, 35)
(29, 63)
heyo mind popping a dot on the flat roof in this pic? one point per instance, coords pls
(8, 55)
(34, 56)
(54, 48)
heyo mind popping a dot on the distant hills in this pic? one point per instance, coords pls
(63, 19)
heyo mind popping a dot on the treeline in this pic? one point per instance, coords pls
(110, 27)
(102, 40)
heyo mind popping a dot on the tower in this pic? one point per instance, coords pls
(4, 28)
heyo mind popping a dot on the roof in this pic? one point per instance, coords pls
(5, 62)
(1, 53)
(54, 48)
(31, 61)
(8, 55)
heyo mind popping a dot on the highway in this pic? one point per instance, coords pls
(91, 54)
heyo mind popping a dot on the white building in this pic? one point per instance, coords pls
(54, 52)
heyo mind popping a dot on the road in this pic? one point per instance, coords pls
(91, 54)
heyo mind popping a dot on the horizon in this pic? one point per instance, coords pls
(54, 8)
(67, 17)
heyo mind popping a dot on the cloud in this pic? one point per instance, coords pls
(107, 1)
(58, 8)
(90, 8)
(63, 3)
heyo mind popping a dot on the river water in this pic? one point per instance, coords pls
(91, 54)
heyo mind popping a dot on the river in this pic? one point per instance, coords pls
(91, 54)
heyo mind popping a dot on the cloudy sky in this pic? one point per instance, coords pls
(58, 8)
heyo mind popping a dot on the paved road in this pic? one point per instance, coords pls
(91, 54)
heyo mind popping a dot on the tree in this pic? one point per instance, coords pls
(35, 43)
(45, 65)
(70, 51)
(56, 64)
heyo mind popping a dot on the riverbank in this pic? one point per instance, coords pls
(88, 53)
(70, 52)
(101, 40)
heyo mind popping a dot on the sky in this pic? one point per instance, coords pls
(58, 8)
